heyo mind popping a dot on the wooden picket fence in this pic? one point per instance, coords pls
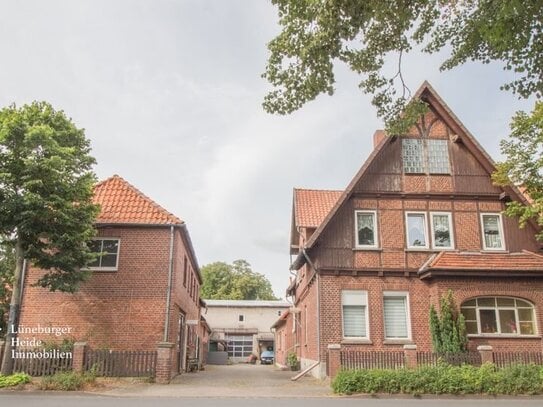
(455, 359)
(372, 360)
(503, 359)
(106, 362)
(28, 362)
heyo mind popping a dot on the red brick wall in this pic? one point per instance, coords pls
(182, 300)
(524, 288)
(284, 341)
(308, 323)
(339, 261)
(124, 309)
(421, 295)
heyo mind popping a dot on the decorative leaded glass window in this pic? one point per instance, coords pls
(412, 155)
(438, 157)
(366, 229)
(425, 156)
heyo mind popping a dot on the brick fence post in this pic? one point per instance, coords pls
(486, 353)
(164, 362)
(334, 359)
(410, 355)
(78, 357)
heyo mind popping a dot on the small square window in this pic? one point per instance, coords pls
(108, 254)
(366, 229)
(491, 224)
(416, 230)
(241, 318)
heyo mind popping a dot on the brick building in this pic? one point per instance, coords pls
(243, 325)
(421, 216)
(143, 290)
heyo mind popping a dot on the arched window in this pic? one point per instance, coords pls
(499, 316)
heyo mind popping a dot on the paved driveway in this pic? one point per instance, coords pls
(241, 380)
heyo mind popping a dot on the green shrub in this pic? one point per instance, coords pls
(442, 379)
(67, 381)
(14, 379)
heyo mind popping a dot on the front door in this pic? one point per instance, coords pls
(181, 348)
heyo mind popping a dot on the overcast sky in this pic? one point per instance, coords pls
(170, 94)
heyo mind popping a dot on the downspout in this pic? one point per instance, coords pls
(23, 276)
(169, 292)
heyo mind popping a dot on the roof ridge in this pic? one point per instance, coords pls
(150, 200)
(318, 190)
(170, 217)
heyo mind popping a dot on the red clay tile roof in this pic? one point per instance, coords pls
(522, 261)
(311, 206)
(122, 203)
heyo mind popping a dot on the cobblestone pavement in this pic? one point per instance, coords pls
(240, 380)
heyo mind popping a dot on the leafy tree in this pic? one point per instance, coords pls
(524, 165)
(46, 213)
(367, 34)
(236, 281)
(448, 329)
(7, 266)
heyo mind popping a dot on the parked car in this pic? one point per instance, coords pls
(267, 357)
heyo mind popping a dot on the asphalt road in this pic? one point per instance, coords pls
(89, 400)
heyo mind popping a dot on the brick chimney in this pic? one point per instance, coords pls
(378, 136)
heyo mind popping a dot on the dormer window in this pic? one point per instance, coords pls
(425, 156)
(491, 224)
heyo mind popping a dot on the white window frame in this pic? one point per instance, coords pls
(407, 310)
(375, 231)
(366, 315)
(451, 230)
(118, 255)
(426, 246)
(496, 310)
(500, 228)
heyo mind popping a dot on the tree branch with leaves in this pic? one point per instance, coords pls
(46, 210)
(365, 34)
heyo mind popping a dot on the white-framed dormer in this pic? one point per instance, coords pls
(416, 230)
(492, 237)
(109, 248)
(442, 231)
(366, 234)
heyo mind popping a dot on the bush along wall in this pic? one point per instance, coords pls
(443, 379)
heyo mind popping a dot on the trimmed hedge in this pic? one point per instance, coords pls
(443, 379)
